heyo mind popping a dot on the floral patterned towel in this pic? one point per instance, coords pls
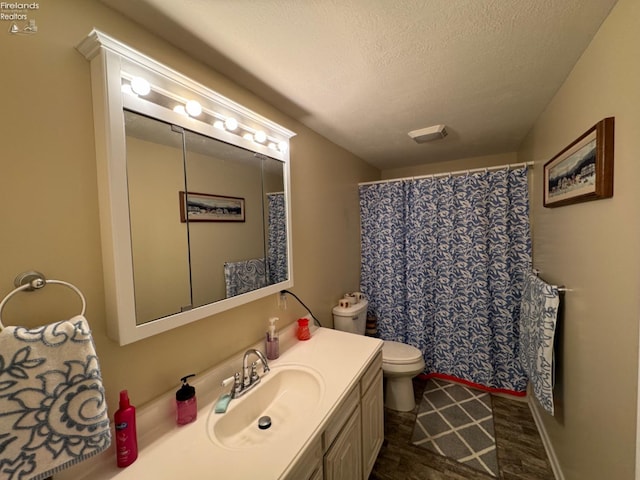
(244, 276)
(538, 313)
(53, 412)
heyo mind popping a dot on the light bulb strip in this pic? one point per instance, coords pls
(240, 130)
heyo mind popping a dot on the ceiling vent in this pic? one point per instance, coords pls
(429, 134)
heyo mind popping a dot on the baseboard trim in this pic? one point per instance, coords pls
(553, 459)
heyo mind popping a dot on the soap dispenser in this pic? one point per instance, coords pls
(272, 347)
(186, 404)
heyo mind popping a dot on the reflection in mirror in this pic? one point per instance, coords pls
(227, 257)
(159, 242)
(276, 220)
(186, 260)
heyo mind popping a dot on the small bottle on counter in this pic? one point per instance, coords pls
(303, 332)
(272, 342)
(186, 403)
(126, 435)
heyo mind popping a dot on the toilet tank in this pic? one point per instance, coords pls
(351, 319)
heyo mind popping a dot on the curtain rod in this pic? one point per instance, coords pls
(508, 166)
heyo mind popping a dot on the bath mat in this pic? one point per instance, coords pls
(457, 422)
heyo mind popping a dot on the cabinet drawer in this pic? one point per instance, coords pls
(343, 412)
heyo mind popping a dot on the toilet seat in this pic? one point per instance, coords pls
(396, 353)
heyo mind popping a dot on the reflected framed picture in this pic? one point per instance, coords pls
(203, 207)
(584, 170)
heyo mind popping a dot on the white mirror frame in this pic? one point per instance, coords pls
(111, 62)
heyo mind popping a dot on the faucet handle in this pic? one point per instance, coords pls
(254, 372)
(237, 382)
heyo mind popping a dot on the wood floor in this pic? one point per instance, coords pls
(521, 454)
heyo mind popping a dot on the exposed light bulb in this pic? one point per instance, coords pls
(219, 124)
(248, 136)
(140, 86)
(193, 108)
(282, 146)
(260, 136)
(180, 109)
(231, 123)
(272, 146)
(126, 88)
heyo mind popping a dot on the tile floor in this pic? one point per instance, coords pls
(521, 454)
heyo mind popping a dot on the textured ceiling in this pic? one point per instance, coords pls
(363, 73)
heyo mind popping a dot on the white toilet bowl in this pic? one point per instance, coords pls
(400, 362)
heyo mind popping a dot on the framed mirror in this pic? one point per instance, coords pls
(194, 208)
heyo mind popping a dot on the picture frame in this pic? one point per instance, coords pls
(204, 207)
(583, 171)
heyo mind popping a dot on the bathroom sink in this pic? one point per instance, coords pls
(288, 395)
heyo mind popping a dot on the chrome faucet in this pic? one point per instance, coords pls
(245, 381)
(252, 378)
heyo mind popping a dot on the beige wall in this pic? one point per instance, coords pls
(49, 211)
(592, 248)
(452, 165)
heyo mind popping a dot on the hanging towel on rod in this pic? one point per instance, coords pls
(53, 411)
(538, 316)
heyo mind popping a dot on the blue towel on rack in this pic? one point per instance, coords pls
(53, 412)
(538, 315)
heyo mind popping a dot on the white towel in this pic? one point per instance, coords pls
(538, 314)
(53, 412)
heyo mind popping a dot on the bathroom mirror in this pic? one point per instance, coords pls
(194, 208)
(183, 261)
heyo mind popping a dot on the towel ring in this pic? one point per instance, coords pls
(30, 281)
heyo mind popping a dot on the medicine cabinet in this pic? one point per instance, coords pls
(194, 195)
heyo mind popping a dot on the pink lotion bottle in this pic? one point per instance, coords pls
(126, 436)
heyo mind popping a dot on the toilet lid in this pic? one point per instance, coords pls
(396, 352)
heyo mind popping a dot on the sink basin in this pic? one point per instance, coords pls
(288, 395)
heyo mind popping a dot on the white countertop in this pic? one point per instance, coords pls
(167, 451)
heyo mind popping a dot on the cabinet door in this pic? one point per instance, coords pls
(372, 424)
(343, 461)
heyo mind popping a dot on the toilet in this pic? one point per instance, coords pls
(400, 362)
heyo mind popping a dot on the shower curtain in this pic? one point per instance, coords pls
(443, 260)
(277, 237)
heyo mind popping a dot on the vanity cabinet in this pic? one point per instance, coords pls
(343, 460)
(372, 407)
(350, 442)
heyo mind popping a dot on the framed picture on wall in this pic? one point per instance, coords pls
(584, 170)
(203, 207)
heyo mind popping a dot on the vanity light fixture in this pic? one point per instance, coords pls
(126, 88)
(180, 109)
(140, 86)
(193, 108)
(161, 96)
(260, 136)
(231, 124)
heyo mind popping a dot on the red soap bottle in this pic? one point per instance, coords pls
(303, 332)
(126, 436)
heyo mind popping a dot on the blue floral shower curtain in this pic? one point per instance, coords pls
(443, 260)
(277, 260)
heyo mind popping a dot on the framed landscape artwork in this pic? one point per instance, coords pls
(583, 171)
(203, 207)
